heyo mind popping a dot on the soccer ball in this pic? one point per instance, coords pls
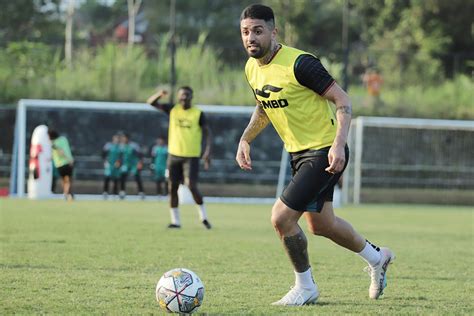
(180, 291)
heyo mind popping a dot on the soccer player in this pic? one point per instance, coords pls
(131, 163)
(111, 157)
(159, 154)
(187, 129)
(63, 161)
(292, 90)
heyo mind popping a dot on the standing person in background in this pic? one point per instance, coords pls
(159, 154)
(292, 91)
(373, 81)
(131, 163)
(187, 129)
(63, 161)
(111, 157)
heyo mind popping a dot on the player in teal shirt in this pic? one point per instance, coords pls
(131, 158)
(159, 154)
(63, 161)
(111, 157)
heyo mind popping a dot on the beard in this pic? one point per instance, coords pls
(257, 52)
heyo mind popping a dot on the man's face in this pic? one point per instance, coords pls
(257, 36)
(184, 96)
(124, 139)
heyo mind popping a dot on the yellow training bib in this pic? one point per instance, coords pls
(302, 118)
(185, 134)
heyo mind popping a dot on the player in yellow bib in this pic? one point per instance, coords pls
(187, 127)
(294, 92)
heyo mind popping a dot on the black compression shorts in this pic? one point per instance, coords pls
(181, 168)
(311, 185)
(66, 170)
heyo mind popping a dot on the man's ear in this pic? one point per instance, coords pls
(274, 32)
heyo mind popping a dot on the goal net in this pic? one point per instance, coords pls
(89, 125)
(391, 160)
(410, 160)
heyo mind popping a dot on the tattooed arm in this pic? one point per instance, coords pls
(258, 122)
(343, 114)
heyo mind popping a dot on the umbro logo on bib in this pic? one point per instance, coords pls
(265, 92)
(271, 104)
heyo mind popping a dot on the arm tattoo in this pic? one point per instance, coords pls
(343, 114)
(344, 109)
(258, 122)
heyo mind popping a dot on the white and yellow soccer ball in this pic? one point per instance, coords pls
(180, 291)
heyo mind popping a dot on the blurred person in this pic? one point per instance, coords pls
(111, 157)
(131, 159)
(187, 130)
(63, 161)
(292, 91)
(159, 154)
(373, 81)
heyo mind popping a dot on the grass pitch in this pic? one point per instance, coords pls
(106, 257)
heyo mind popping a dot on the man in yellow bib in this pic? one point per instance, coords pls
(292, 91)
(187, 127)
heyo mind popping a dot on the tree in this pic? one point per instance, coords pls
(68, 32)
(133, 7)
(38, 20)
(409, 36)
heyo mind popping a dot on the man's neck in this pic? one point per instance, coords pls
(269, 56)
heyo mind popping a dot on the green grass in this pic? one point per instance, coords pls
(106, 257)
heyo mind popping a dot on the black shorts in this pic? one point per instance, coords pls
(181, 168)
(311, 185)
(65, 170)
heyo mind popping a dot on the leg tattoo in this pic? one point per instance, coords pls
(297, 249)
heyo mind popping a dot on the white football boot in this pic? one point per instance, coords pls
(299, 297)
(378, 273)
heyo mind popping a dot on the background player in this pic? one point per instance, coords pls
(131, 158)
(187, 129)
(111, 157)
(63, 161)
(159, 155)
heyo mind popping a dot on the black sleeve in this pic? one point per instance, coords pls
(202, 120)
(165, 107)
(311, 73)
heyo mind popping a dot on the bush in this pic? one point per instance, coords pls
(451, 99)
(114, 73)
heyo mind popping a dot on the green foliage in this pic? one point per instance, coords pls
(112, 72)
(449, 99)
(409, 48)
(416, 46)
(95, 257)
(115, 73)
(22, 20)
(24, 69)
(199, 67)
